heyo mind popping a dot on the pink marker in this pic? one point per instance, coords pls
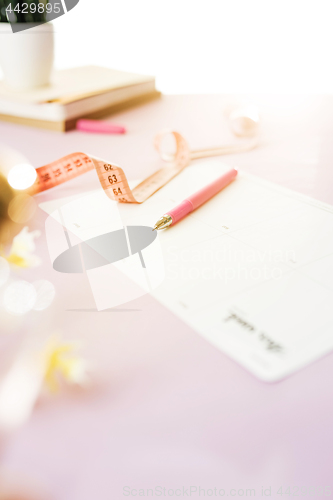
(99, 127)
(195, 200)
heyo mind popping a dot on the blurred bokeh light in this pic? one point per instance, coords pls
(22, 176)
(45, 294)
(22, 208)
(19, 297)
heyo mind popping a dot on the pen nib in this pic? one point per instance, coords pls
(163, 222)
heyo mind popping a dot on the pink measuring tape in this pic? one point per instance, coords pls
(112, 177)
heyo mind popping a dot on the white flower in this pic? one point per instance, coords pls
(22, 251)
(61, 362)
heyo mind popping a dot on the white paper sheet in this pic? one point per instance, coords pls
(251, 271)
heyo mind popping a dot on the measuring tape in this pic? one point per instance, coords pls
(113, 179)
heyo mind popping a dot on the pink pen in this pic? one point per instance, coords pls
(195, 200)
(99, 127)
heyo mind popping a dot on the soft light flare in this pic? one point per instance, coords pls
(22, 176)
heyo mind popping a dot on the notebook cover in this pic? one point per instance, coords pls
(64, 126)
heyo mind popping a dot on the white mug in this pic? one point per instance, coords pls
(26, 57)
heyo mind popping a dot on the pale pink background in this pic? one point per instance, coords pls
(167, 408)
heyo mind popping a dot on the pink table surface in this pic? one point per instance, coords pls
(166, 408)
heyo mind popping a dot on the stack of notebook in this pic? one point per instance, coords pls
(85, 92)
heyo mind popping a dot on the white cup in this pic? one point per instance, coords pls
(26, 57)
